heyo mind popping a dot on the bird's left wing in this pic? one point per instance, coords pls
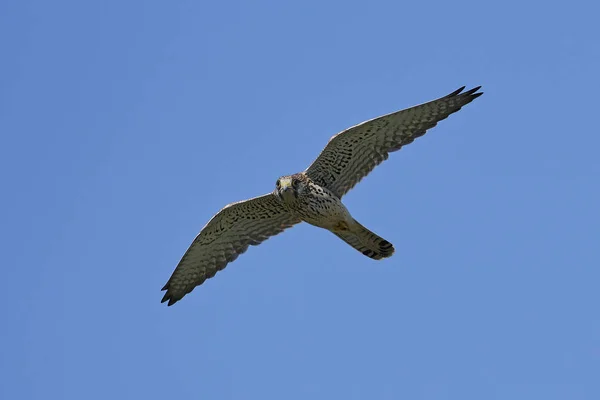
(352, 154)
(227, 235)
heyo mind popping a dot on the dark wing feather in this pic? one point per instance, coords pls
(352, 154)
(227, 235)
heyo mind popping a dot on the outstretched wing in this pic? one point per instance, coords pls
(227, 235)
(352, 154)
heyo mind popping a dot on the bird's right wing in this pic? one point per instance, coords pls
(352, 154)
(227, 235)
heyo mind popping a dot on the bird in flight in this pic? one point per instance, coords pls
(313, 196)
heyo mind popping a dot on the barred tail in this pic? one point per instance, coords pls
(367, 242)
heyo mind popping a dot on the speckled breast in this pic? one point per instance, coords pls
(320, 207)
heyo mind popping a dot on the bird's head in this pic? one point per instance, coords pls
(288, 188)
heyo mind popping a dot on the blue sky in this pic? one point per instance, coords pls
(126, 125)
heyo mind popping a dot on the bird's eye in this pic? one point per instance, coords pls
(295, 183)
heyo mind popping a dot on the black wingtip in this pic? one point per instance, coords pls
(165, 297)
(470, 92)
(169, 297)
(468, 96)
(456, 92)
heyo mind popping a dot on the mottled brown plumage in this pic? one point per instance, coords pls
(313, 196)
(352, 154)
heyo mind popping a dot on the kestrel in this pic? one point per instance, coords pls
(312, 196)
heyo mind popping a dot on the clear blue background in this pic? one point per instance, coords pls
(126, 125)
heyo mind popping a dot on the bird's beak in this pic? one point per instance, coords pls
(286, 189)
(285, 184)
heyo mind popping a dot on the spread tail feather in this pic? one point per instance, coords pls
(365, 241)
